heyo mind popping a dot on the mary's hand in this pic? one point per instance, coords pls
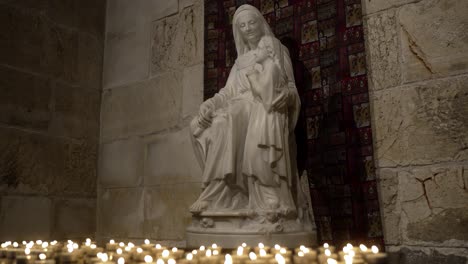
(280, 101)
(205, 116)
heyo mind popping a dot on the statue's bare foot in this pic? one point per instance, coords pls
(199, 206)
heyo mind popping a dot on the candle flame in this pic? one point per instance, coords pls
(363, 247)
(214, 246)
(121, 244)
(283, 251)
(240, 251)
(325, 245)
(147, 242)
(70, 250)
(202, 248)
(148, 259)
(227, 259)
(306, 250)
(165, 253)
(174, 249)
(277, 247)
(327, 252)
(93, 246)
(261, 245)
(194, 252)
(331, 261)
(104, 257)
(280, 259)
(130, 244)
(158, 246)
(15, 244)
(348, 259)
(160, 261)
(37, 242)
(208, 253)
(244, 245)
(215, 252)
(262, 252)
(112, 241)
(302, 247)
(300, 254)
(189, 256)
(121, 261)
(42, 256)
(27, 251)
(375, 249)
(139, 250)
(252, 256)
(171, 261)
(119, 251)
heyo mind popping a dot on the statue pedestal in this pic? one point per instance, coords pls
(231, 229)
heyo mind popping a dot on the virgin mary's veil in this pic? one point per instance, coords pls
(241, 45)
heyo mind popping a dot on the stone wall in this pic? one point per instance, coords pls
(417, 57)
(51, 55)
(153, 86)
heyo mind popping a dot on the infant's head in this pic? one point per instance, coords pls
(265, 48)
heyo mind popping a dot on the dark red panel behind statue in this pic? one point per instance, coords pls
(325, 39)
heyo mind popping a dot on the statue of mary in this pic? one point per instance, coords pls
(243, 139)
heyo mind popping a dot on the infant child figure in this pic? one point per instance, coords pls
(267, 80)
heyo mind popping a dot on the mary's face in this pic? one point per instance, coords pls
(250, 26)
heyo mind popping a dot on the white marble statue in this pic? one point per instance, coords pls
(244, 135)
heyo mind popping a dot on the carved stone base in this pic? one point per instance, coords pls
(230, 229)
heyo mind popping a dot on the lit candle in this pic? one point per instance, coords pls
(253, 259)
(43, 259)
(177, 253)
(376, 257)
(147, 246)
(189, 259)
(239, 256)
(111, 246)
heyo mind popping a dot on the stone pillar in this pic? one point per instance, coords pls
(417, 57)
(153, 86)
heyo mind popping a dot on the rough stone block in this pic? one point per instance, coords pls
(421, 123)
(388, 183)
(142, 108)
(24, 218)
(432, 197)
(76, 112)
(121, 163)
(90, 61)
(120, 212)
(126, 54)
(160, 9)
(432, 256)
(382, 51)
(167, 209)
(192, 95)
(74, 218)
(373, 6)
(38, 164)
(432, 43)
(22, 39)
(25, 99)
(170, 159)
(177, 41)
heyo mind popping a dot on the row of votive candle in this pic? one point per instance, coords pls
(88, 252)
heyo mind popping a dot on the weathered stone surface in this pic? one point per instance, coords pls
(166, 209)
(90, 61)
(433, 43)
(141, 108)
(76, 112)
(126, 54)
(410, 256)
(433, 200)
(121, 163)
(74, 218)
(382, 51)
(388, 183)
(24, 218)
(25, 100)
(161, 9)
(446, 225)
(120, 212)
(177, 41)
(192, 95)
(185, 3)
(170, 159)
(373, 6)
(38, 164)
(421, 123)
